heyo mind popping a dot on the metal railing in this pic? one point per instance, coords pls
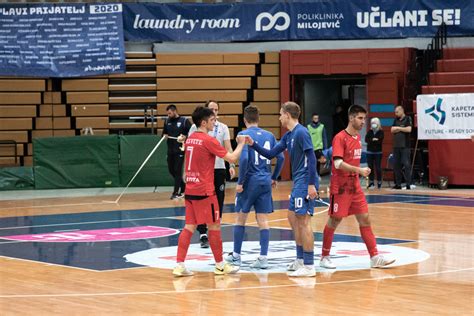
(421, 64)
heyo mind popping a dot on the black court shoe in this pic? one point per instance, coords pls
(204, 241)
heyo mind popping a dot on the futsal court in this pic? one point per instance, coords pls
(74, 252)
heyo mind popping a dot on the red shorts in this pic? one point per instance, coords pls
(343, 205)
(202, 210)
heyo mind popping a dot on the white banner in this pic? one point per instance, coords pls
(445, 116)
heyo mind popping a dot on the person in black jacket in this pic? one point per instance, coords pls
(374, 140)
(175, 126)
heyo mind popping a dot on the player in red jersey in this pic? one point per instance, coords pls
(347, 197)
(200, 198)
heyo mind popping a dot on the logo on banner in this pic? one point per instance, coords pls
(272, 21)
(436, 112)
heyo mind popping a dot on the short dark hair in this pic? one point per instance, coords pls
(314, 113)
(201, 114)
(251, 114)
(292, 108)
(210, 101)
(356, 109)
(171, 107)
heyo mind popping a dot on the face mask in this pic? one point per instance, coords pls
(374, 126)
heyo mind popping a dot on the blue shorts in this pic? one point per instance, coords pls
(300, 203)
(258, 196)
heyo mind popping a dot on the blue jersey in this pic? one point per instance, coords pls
(254, 168)
(297, 141)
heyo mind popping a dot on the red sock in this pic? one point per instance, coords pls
(328, 236)
(369, 239)
(215, 241)
(183, 244)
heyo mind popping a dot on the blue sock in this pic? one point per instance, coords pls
(299, 252)
(264, 240)
(238, 238)
(308, 258)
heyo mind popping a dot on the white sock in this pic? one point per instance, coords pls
(236, 255)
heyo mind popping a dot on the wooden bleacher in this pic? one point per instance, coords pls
(135, 102)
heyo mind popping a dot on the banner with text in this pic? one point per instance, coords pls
(445, 116)
(338, 19)
(61, 40)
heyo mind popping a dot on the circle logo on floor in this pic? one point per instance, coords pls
(345, 255)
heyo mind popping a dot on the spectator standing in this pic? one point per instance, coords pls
(401, 129)
(374, 140)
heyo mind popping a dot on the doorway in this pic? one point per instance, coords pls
(323, 94)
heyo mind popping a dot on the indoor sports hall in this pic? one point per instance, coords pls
(96, 105)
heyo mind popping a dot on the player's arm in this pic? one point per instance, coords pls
(340, 164)
(234, 156)
(313, 179)
(270, 153)
(278, 166)
(243, 164)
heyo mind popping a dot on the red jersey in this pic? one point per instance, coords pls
(201, 151)
(349, 148)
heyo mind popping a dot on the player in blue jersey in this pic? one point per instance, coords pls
(254, 188)
(305, 184)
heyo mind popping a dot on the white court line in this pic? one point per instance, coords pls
(393, 277)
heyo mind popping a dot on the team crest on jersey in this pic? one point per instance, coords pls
(346, 256)
(357, 153)
(178, 124)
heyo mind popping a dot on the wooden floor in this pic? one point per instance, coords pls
(439, 223)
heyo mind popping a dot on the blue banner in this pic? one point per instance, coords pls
(61, 40)
(337, 19)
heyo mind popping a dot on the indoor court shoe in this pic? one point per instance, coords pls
(379, 261)
(260, 263)
(397, 187)
(304, 271)
(181, 271)
(226, 268)
(326, 263)
(295, 265)
(233, 260)
(204, 241)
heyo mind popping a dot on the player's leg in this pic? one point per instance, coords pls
(238, 233)
(184, 240)
(338, 209)
(299, 245)
(263, 206)
(304, 230)
(296, 201)
(209, 214)
(359, 208)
